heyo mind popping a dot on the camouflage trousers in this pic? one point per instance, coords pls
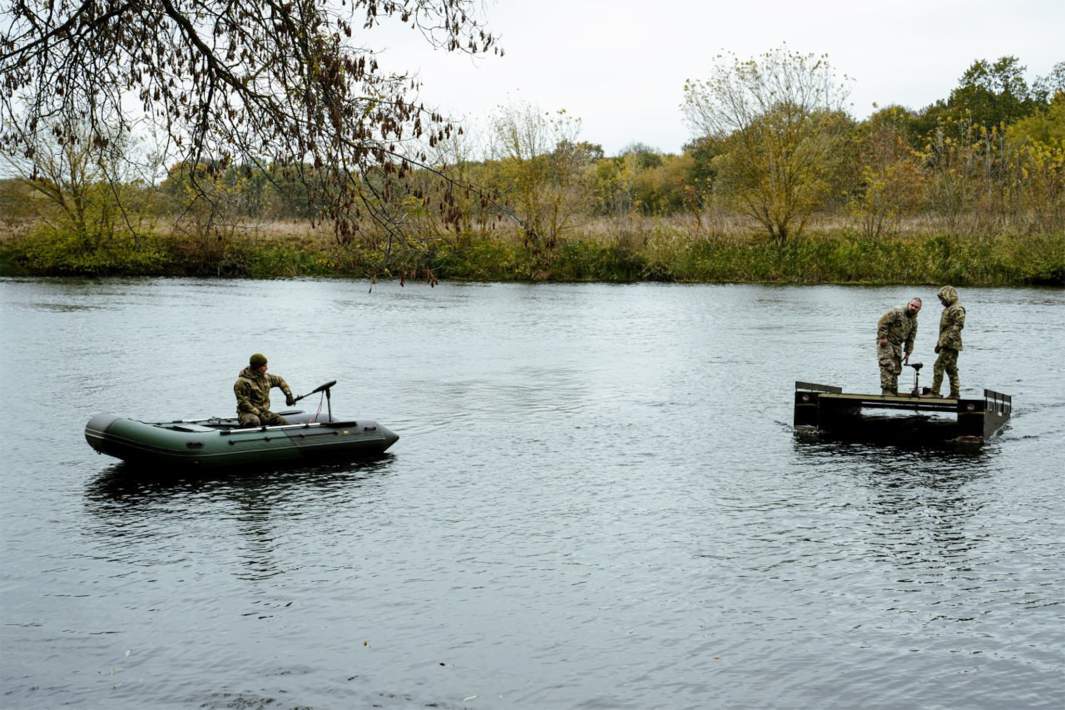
(263, 418)
(890, 359)
(947, 361)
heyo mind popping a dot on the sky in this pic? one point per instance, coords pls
(620, 65)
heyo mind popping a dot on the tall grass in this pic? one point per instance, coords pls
(650, 250)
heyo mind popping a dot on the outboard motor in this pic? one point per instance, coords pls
(916, 377)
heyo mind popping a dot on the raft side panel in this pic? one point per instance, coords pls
(814, 387)
(999, 408)
(806, 401)
(830, 410)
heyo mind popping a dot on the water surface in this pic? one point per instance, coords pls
(597, 501)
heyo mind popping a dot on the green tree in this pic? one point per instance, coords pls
(993, 93)
(701, 173)
(988, 94)
(643, 155)
(663, 189)
(1049, 86)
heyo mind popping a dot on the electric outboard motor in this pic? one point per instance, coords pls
(916, 377)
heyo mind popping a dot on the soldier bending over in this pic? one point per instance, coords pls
(895, 332)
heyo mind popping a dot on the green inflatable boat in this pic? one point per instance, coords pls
(221, 443)
(217, 443)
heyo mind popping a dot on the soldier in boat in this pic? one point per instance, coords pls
(252, 389)
(895, 333)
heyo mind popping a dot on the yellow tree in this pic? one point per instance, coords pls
(892, 184)
(778, 117)
(1039, 156)
(539, 169)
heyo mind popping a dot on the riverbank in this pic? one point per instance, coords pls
(832, 256)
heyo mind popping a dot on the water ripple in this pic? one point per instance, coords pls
(598, 500)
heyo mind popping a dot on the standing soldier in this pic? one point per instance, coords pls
(949, 344)
(252, 389)
(895, 332)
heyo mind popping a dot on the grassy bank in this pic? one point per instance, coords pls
(836, 256)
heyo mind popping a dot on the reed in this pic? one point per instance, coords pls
(642, 250)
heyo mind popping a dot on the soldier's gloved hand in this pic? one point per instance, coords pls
(289, 399)
(883, 342)
(937, 350)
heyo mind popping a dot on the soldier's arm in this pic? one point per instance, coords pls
(279, 381)
(910, 338)
(240, 389)
(957, 322)
(883, 324)
(959, 319)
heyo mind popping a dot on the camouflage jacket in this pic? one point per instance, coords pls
(952, 320)
(899, 327)
(253, 390)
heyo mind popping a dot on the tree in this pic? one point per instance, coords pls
(539, 166)
(702, 173)
(644, 155)
(776, 116)
(890, 174)
(83, 183)
(1044, 126)
(257, 82)
(988, 95)
(1038, 143)
(1049, 86)
(992, 93)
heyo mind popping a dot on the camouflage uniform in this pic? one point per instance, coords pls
(949, 344)
(900, 329)
(252, 389)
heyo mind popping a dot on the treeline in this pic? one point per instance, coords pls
(971, 186)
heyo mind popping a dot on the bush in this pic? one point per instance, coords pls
(47, 251)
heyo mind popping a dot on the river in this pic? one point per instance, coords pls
(597, 501)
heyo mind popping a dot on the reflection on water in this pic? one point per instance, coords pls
(598, 499)
(917, 497)
(62, 307)
(128, 504)
(122, 487)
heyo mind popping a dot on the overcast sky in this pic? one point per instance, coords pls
(620, 65)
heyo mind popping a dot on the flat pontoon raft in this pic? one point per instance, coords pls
(918, 418)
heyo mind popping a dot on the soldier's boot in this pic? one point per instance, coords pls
(937, 382)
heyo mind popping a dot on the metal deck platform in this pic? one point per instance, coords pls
(915, 418)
